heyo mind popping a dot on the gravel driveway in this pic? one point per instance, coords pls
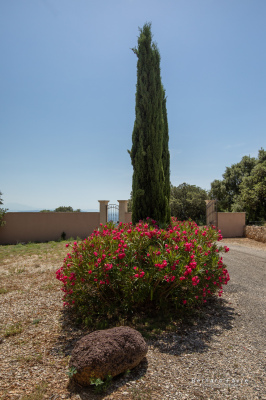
(246, 292)
(247, 267)
(220, 357)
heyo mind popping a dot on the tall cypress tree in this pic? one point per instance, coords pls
(150, 195)
(166, 159)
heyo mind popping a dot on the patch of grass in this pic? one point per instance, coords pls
(3, 290)
(13, 330)
(36, 321)
(49, 286)
(38, 392)
(20, 270)
(29, 249)
(30, 359)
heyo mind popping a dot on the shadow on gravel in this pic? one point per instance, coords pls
(195, 334)
(188, 334)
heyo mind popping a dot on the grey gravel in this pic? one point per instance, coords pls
(220, 357)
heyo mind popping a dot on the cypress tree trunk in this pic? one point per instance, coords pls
(150, 136)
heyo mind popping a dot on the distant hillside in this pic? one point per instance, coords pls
(17, 207)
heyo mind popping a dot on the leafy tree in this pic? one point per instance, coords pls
(262, 155)
(243, 188)
(61, 209)
(188, 202)
(149, 153)
(252, 192)
(66, 209)
(226, 190)
(2, 211)
(218, 192)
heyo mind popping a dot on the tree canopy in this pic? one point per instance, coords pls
(243, 188)
(2, 211)
(63, 209)
(188, 202)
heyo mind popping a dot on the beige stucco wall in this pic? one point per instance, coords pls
(41, 227)
(231, 224)
(256, 232)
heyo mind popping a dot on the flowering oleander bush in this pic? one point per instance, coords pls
(118, 270)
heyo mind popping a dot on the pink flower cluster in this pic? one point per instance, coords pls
(128, 263)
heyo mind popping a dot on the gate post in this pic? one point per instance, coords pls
(211, 213)
(103, 211)
(122, 210)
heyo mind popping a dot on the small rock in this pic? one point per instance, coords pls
(107, 352)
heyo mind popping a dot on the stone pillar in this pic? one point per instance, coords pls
(103, 211)
(122, 210)
(211, 213)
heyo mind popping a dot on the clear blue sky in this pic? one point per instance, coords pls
(67, 93)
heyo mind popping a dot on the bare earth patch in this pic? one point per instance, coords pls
(35, 344)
